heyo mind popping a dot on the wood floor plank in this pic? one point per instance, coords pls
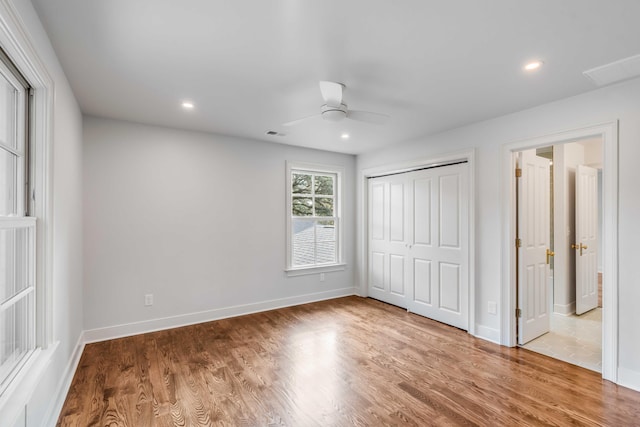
(344, 362)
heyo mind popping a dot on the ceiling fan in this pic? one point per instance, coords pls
(335, 110)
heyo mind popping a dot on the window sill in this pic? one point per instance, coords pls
(305, 271)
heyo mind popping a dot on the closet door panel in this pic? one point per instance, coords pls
(396, 274)
(450, 217)
(444, 295)
(422, 281)
(387, 239)
(450, 287)
(422, 212)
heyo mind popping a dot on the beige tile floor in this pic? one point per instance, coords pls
(574, 339)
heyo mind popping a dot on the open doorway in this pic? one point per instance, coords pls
(609, 133)
(560, 257)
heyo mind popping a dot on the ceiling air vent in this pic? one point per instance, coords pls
(274, 133)
(617, 71)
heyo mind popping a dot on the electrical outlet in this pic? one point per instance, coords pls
(322, 277)
(492, 307)
(148, 299)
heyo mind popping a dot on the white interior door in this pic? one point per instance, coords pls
(419, 242)
(438, 245)
(534, 234)
(586, 239)
(387, 239)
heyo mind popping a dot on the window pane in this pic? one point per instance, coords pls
(302, 206)
(324, 206)
(303, 255)
(303, 242)
(303, 231)
(325, 231)
(13, 262)
(15, 337)
(325, 252)
(8, 184)
(324, 185)
(301, 184)
(8, 111)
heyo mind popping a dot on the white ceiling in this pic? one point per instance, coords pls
(251, 65)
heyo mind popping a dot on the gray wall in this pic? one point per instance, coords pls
(198, 220)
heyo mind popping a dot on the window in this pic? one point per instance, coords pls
(17, 229)
(313, 216)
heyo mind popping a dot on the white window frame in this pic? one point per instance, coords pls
(18, 145)
(314, 168)
(17, 44)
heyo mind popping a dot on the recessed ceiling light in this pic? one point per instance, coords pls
(187, 105)
(534, 65)
(344, 135)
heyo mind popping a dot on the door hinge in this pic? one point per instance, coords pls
(518, 313)
(518, 243)
(518, 172)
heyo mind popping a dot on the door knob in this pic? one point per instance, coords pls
(580, 246)
(549, 254)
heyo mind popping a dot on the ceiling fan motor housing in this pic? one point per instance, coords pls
(334, 113)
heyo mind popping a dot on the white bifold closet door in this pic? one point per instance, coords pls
(419, 242)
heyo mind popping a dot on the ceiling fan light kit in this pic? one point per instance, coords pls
(334, 114)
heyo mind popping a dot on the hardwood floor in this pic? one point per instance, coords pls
(344, 362)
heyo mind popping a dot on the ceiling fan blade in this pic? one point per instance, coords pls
(295, 122)
(331, 93)
(368, 117)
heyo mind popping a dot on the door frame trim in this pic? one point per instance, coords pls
(408, 166)
(608, 131)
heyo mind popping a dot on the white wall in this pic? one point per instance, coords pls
(197, 220)
(593, 152)
(616, 102)
(67, 225)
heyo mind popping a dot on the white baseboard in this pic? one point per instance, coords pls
(488, 334)
(119, 331)
(628, 378)
(565, 309)
(52, 414)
